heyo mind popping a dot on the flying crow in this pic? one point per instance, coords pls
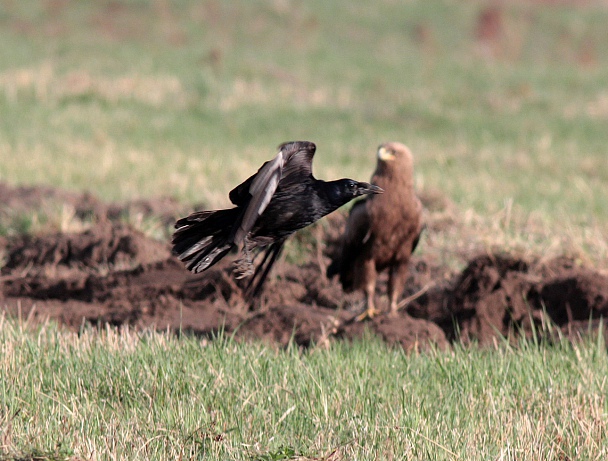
(382, 231)
(281, 198)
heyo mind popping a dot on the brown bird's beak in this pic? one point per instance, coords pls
(365, 188)
(385, 155)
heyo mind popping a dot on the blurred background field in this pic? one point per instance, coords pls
(503, 103)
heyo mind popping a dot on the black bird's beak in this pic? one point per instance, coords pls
(365, 188)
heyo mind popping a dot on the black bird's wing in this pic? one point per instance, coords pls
(240, 194)
(255, 194)
(291, 165)
(298, 164)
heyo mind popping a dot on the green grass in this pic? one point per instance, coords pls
(119, 394)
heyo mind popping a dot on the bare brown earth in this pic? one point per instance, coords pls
(112, 274)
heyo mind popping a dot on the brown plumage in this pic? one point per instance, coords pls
(382, 231)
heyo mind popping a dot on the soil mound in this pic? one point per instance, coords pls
(31, 199)
(112, 274)
(496, 293)
(102, 245)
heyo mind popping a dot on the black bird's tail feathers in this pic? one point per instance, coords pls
(204, 237)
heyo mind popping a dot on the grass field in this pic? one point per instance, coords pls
(140, 98)
(137, 98)
(127, 395)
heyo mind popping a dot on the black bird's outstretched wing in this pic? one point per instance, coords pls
(260, 188)
(298, 164)
(291, 164)
(297, 158)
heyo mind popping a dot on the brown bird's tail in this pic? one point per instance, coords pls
(204, 237)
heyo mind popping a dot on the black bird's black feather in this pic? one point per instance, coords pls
(281, 198)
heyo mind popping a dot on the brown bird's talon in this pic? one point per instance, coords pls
(367, 314)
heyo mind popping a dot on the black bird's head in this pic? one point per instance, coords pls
(343, 191)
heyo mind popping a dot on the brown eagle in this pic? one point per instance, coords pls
(382, 231)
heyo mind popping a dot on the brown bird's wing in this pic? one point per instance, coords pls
(421, 224)
(356, 240)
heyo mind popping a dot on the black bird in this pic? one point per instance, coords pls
(281, 198)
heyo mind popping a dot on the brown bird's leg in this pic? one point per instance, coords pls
(396, 281)
(369, 277)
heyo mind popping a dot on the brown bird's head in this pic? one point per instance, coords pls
(394, 151)
(395, 158)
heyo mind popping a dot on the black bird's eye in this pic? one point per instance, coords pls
(351, 184)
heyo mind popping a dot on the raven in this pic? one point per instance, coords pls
(382, 232)
(281, 198)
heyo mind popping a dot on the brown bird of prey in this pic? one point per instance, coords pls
(281, 198)
(382, 231)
